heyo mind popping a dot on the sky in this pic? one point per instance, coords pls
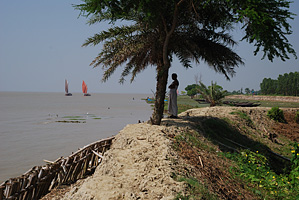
(40, 47)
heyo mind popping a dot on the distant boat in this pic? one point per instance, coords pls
(84, 89)
(67, 89)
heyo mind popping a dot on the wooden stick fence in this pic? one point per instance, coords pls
(39, 180)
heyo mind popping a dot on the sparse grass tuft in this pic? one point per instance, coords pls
(276, 114)
(196, 190)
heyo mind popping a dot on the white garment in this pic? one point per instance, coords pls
(172, 102)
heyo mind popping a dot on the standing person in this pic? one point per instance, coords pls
(172, 102)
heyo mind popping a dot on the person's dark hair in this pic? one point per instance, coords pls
(174, 76)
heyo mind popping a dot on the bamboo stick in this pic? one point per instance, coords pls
(99, 155)
(70, 169)
(99, 141)
(2, 187)
(200, 161)
(48, 161)
(8, 189)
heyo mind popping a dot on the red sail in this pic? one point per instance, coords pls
(84, 87)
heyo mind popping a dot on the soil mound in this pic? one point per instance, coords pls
(137, 166)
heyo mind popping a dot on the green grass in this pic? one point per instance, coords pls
(72, 117)
(185, 103)
(270, 103)
(79, 118)
(254, 168)
(243, 116)
(196, 190)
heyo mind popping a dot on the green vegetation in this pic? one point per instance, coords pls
(78, 119)
(243, 116)
(251, 162)
(192, 90)
(269, 103)
(254, 168)
(197, 190)
(72, 117)
(184, 103)
(212, 94)
(287, 85)
(186, 100)
(276, 114)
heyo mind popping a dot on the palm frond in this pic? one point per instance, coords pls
(211, 47)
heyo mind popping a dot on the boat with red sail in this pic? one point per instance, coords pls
(84, 89)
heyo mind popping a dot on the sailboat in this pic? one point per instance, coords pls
(84, 89)
(67, 89)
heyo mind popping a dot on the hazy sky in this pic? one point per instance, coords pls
(40, 47)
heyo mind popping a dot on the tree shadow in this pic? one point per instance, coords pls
(230, 139)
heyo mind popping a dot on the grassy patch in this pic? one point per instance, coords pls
(276, 114)
(192, 139)
(70, 121)
(254, 168)
(72, 117)
(269, 103)
(243, 116)
(196, 190)
(185, 103)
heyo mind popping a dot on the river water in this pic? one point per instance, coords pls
(38, 126)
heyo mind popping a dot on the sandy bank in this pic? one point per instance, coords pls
(137, 166)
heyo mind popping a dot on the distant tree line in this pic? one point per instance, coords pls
(247, 91)
(287, 85)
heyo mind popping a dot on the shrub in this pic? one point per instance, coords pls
(276, 114)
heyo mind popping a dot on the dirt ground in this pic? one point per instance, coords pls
(141, 162)
(289, 129)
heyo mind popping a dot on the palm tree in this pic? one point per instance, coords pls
(212, 94)
(189, 29)
(137, 48)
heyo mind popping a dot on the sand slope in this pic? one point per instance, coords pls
(136, 167)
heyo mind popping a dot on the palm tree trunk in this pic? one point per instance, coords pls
(162, 76)
(163, 70)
